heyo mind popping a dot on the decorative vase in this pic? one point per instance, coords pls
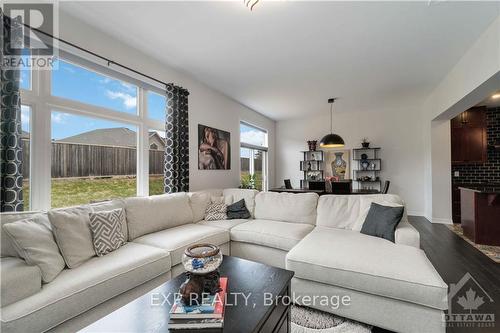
(201, 261)
(312, 145)
(339, 166)
(365, 144)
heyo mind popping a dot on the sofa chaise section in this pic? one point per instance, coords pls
(74, 291)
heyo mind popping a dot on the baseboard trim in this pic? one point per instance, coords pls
(442, 221)
(415, 213)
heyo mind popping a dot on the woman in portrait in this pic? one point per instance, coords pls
(212, 150)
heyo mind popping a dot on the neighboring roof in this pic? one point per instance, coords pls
(121, 137)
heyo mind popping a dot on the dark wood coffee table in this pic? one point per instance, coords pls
(246, 277)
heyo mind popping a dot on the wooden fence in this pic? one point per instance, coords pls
(79, 160)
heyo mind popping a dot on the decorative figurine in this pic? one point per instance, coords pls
(365, 143)
(312, 145)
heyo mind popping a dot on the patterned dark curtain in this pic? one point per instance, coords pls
(176, 168)
(10, 124)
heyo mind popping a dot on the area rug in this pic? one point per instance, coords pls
(492, 252)
(307, 320)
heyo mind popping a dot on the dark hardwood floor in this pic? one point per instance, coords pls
(453, 258)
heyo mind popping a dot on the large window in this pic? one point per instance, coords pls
(78, 83)
(25, 144)
(88, 124)
(156, 158)
(253, 157)
(92, 160)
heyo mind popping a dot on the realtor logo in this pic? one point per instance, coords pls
(24, 44)
(469, 305)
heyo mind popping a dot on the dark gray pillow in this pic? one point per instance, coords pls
(382, 221)
(238, 210)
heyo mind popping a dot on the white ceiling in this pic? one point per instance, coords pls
(285, 59)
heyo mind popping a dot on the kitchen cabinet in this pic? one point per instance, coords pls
(468, 137)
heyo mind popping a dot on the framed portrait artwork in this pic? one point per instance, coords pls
(214, 148)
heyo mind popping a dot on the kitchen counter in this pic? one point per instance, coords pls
(482, 188)
(480, 213)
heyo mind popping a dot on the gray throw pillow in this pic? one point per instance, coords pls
(35, 243)
(382, 221)
(238, 210)
(106, 228)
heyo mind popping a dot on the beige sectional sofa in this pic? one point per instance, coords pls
(391, 285)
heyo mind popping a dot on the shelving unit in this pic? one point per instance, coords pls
(312, 166)
(366, 169)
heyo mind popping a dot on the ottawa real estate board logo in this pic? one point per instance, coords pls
(27, 32)
(469, 305)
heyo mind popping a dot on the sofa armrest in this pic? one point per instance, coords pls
(406, 234)
(19, 280)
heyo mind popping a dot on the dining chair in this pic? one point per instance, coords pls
(386, 187)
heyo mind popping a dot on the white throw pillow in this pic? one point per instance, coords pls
(365, 208)
(71, 229)
(35, 243)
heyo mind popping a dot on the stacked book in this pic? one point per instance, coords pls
(208, 314)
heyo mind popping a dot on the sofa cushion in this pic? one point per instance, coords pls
(110, 205)
(176, 240)
(275, 234)
(71, 228)
(368, 264)
(77, 290)
(19, 280)
(154, 213)
(198, 202)
(245, 194)
(6, 247)
(286, 207)
(224, 224)
(348, 211)
(35, 243)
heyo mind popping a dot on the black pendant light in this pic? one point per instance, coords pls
(331, 140)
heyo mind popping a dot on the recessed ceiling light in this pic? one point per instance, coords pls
(495, 96)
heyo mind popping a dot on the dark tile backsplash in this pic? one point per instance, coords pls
(488, 172)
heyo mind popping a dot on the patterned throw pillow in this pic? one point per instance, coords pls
(106, 227)
(216, 211)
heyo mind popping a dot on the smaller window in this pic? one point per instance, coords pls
(253, 157)
(156, 106)
(252, 135)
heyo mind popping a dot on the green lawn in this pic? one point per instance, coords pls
(71, 192)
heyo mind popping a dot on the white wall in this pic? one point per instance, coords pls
(206, 106)
(397, 131)
(475, 77)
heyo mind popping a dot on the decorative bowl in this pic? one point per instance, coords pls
(202, 258)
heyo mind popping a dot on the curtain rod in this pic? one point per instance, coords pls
(109, 61)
